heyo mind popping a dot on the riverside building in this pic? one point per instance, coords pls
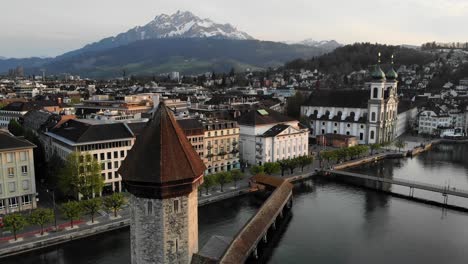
(17, 179)
(108, 143)
(268, 136)
(370, 114)
(215, 141)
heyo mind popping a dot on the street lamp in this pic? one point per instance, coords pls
(55, 211)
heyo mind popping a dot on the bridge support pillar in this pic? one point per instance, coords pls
(255, 253)
(265, 238)
(273, 225)
(411, 192)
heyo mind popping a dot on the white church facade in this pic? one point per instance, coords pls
(370, 115)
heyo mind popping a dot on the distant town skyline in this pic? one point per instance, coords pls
(53, 27)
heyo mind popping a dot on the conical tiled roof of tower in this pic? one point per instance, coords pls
(162, 163)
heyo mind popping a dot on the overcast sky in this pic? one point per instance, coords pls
(52, 27)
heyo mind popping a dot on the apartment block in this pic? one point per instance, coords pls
(17, 179)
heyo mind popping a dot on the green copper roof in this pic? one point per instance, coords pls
(377, 73)
(392, 74)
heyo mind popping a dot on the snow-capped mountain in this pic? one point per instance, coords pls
(178, 25)
(187, 25)
(326, 44)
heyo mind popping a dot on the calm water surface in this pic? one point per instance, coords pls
(330, 222)
(445, 165)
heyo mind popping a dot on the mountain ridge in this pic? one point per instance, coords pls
(185, 55)
(182, 24)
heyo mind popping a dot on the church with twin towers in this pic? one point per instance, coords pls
(369, 114)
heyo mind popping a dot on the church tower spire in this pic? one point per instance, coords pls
(392, 75)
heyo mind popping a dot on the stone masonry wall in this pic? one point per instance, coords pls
(164, 231)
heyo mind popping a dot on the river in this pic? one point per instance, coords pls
(329, 223)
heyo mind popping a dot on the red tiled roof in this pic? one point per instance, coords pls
(162, 159)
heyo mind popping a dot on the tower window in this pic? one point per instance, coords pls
(176, 206)
(372, 134)
(373, 116)
(376, 92)
(150, 208)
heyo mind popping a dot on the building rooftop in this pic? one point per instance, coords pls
(339, 98)
(81, 132)
(263, 117)
(28, 106)
(137, 127)
(274, 131)
(189, 124)
(10, 142)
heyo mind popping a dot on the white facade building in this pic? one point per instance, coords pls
(268, 136)
(370, 115)
(441, 123)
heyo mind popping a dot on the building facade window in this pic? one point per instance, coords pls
(372, 134)
(25, 185)
(11, 172)
(24, 170)
(373, 116)
(23, 155)
(150, 208)
(376, 92)
(13, 202)
(26, 199)
(176, 206)
(12, 186)
(9, 157)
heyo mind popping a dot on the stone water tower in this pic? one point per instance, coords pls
(162, 173)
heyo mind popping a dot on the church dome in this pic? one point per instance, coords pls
(392, 74)
(377, 73)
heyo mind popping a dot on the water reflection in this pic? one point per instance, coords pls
(444, 165)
